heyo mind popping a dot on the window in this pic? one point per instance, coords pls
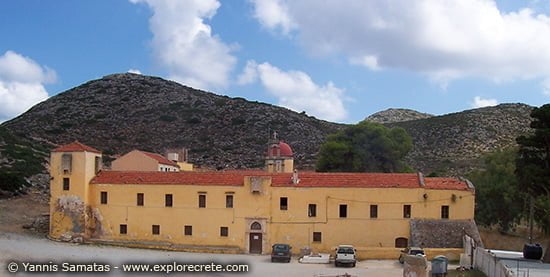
(229, 201)
(316, 236)
(156, 229)
(202, 200)
(66, 163)
(444, 211)
(168, 200)
(123, 229)
(97, 164)
(66, 183)
(140, 199)
(343, 210)
(256, 184)
(103, 197)
(224, 231)
(188, 230)
(283, 203)
(312, 210)
(406, 211)
(373, 211)
(256, 226)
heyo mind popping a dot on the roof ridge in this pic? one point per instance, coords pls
(75, 146)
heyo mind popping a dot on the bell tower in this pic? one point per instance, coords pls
(279, 157)
(72, 167)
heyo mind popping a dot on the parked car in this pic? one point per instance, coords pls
(345, 255)
(411, 251)
(281, 252)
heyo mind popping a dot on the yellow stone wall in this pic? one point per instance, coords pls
(292, 226)
(185, 166)
(295, 227)
(287, 165)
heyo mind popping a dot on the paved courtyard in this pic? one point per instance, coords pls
(26, 248)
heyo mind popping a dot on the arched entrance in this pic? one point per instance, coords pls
(255, 238)
(401, 242)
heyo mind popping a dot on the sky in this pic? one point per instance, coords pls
(338, 60)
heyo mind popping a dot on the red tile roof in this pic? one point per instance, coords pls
(443, 183)
(76, 147)
(161, 159)
(159, 177)
(376, 180)
(307, 179)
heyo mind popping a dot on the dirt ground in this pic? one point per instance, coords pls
(513, 241)
(18, 211)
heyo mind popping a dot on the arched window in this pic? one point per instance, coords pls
(256, 226)
(401, 242)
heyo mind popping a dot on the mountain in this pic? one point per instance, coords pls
(452, 144)
(122, 112)
(396, 115)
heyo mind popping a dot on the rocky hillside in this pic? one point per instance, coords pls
(122, 112)
(452, 144)
(396, 115)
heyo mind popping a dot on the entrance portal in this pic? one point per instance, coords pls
(255, 243)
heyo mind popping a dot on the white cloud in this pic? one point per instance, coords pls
(296, 91)
(21, 84)
(184, 44)
(249, 74)
(480, 102)
(273, 14)
(445, 40)
(370, 62)
(135, 71)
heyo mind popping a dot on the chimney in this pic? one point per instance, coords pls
(295, 179)
(173, 156)
(421, 179)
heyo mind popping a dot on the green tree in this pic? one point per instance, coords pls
(533, 167)
(496, 187)
(11, 181)
(365, 147)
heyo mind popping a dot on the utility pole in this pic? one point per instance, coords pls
(531, 214)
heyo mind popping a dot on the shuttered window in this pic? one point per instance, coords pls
(140, 199)
(103, 197)
(373, 211)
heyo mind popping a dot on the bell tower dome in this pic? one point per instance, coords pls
(279, 157)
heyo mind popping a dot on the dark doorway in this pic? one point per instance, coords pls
(401, 242)
(255, 243)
